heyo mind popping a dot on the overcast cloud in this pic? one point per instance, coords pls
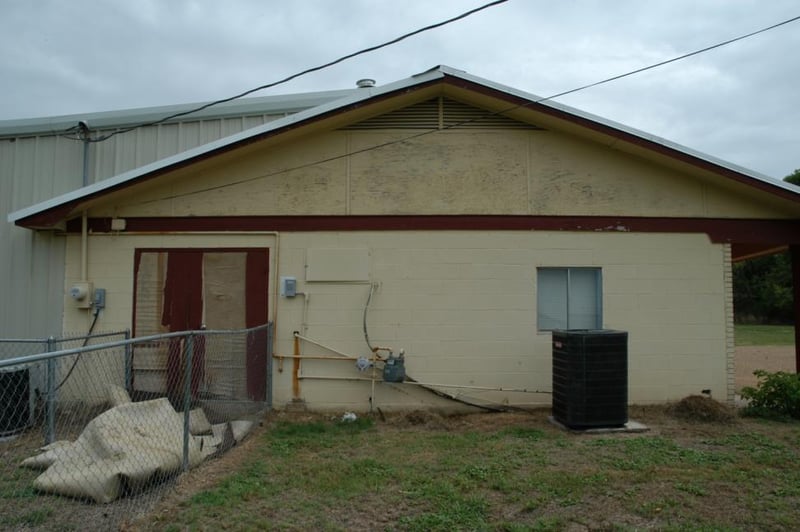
(740, 103)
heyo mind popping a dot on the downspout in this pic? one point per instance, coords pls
(83, 127)
(84, 246)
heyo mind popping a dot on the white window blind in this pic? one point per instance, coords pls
(569, 298)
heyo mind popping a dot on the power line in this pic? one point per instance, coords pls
(674, 59)
(304, 72)
(487, 115)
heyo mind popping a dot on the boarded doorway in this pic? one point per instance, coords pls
(192, 289)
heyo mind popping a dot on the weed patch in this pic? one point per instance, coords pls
(777, 396)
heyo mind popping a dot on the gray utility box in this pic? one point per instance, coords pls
(590, 378)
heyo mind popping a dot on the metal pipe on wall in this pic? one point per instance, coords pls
(319, 344)
(425, 384)
(83, 128)
(84, 246)
(319, 357)
(86, 140)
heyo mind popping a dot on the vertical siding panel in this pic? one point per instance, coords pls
(34, 169)
(147, 149)
(210, 130)
(7, 151)
(98, 154)
(23, 173)
(44, 314)
(105, 152)
(253, 121)
(19, 279)
(44, 166)
(231, 126)
(168, 140)
(68, 165)
(125, 156)
(189, 135)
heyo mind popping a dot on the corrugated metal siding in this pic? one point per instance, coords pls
(32, 264)
(145, 145)
(35, 168)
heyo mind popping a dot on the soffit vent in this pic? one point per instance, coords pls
(441, 113)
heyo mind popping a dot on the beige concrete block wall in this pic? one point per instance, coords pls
(463, 306)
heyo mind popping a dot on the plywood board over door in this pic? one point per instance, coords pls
(192, 289)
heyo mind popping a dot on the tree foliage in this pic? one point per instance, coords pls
(762, 290)
(762, 287)
(793, 178)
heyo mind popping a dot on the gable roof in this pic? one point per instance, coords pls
(50, 212)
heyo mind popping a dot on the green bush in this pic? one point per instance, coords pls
(777, 395)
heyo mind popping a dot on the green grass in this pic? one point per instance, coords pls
(524, 475)
(764, 334)
(32, 518)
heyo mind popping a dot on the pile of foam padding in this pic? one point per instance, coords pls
(128, 447)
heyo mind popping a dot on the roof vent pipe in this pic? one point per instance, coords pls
(365, 83)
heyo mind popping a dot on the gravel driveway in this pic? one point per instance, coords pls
(766, 357)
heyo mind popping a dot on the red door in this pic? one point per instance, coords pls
(190, 289)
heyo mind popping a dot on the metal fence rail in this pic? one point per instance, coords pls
(105, 419)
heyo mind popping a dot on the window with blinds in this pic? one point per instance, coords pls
(569, 298)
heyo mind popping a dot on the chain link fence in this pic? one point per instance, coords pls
(113, 421)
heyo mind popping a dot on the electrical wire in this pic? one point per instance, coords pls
(302, 73)
(78, 358)
(674, 59)
(366, 309)
(489, 114)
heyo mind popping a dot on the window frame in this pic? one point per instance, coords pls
(598, 277)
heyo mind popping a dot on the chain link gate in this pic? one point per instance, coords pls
(85, 418)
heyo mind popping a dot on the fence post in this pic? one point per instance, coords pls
(50, 407)
(188, 347)
(128, 363)
(269, 365)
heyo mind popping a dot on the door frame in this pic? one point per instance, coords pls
(257, 270)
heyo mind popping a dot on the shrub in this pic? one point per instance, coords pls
(777, 395)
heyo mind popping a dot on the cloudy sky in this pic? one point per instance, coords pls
(740, 103)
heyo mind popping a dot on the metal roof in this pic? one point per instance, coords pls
(356, 96)
(279, 104)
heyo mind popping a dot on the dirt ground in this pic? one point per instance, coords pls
(118, 515)
(767, 357)
(658, 418)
